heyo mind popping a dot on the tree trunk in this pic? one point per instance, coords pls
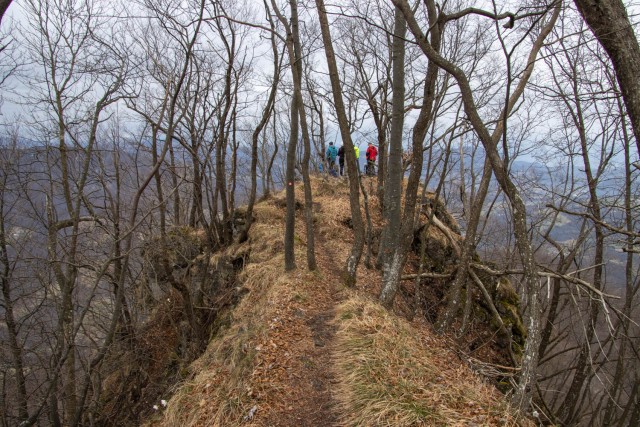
(290, 220)
(622, 364)
(468, 249)
(266, 114)
(400, 234)
(297, 77)
(174, 183)
(610, 24)
(574, 395)
(387, 256)
(270, 185)
(233, 175)
(9, 318)
(391, 255)
(352, 168)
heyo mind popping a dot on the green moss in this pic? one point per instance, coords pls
(505, 292)
(504, 386)
(299, 297)
(348, 281)
(347, 315)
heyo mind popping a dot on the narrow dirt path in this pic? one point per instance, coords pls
(300, 392)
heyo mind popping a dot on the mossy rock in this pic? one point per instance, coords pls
(180, 246)
(507, 303)
(504, 292)
(441, 212)
(439, 255)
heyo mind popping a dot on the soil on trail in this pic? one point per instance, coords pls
(297, 360)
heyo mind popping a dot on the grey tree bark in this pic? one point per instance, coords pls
(7, 267)
(290, 196)
(389, 256)
(297, 76)
(610, 24)
(581, 367)
(352, 168)
(401, 227)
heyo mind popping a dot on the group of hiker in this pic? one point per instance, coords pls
(334, 154)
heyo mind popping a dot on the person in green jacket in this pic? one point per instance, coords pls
(357, 150)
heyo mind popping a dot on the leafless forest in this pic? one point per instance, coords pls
(130, 127)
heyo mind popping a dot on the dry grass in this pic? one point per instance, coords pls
(391, 376)
(389, 372)
(222, 388)
(217, 393)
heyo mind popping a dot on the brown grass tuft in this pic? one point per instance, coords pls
(388, 375)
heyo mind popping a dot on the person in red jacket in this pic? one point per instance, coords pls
(372, 154)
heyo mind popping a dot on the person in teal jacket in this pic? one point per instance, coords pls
(332, 153)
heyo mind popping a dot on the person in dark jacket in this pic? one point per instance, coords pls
(341, 159)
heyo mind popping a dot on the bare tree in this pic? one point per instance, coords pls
(266, 114)
(388, 255)
(298, 120)
(592, 124)
(522, 396)
(352, 168)
(8, 264)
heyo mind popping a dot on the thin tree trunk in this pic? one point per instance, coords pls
(621, 366)
(352, 168)
(400, 234)
(270, 184)
(387, 253)
(233, 174)
(308, 197)
(266, 114)
(174, 182)
(290, 219)
(9, 318)
(226, 232)
(569, 412)
(468, 249)
(196, 188)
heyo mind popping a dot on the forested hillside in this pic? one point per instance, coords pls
(146, 145)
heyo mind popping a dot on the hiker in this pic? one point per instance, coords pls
(371, 154)
(341, 159)
(332, 153)
(357, 150)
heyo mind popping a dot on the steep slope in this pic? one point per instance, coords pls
(300, 349)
